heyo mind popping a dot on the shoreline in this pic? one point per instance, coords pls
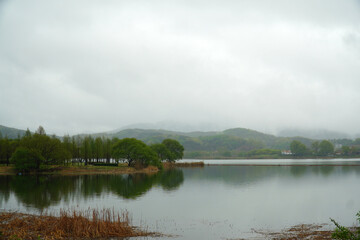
(93, 170)
(124, 169)
(82, 170)
(270, 158)
(300, 231)
(109, 224)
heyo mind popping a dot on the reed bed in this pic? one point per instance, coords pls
(183, 164)
(69, 224)
(190, 164)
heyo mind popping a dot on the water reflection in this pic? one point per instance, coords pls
(43, 191)
(245, 175)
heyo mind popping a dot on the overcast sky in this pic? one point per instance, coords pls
(89, 66)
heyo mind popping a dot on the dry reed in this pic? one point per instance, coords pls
(69, 224)
(190, 164)
(302, 231)
(183, 164)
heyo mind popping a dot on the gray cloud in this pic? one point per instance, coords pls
(95, 65)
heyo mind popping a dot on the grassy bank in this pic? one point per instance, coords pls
(89, 224)
(81, 170)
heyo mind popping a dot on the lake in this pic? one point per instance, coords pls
(222, 200)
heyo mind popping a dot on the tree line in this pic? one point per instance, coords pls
(38, 150)
(322, 148)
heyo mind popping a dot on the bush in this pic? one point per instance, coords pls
(344, 233)
(26, 159)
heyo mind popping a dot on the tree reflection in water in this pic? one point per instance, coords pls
(41, 191)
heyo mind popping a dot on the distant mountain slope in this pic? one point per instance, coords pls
(142, 133)
(238, 139)
(235, 139)
(11, 133)
(270, 141)
(251, 134)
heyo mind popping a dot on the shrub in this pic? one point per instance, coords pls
(344, 233)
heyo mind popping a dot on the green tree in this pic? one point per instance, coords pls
(41, 131)
(161, 150)
(98, 149)
(326, 148)
(86, 149)
(357, 141)
(67, 145)
(51, 149)
(175, 148)
(315, 147)
(26, 159)
(75, 148)
(107, 149)
(7, 148)
(27, 133)
(135, 152)
(345, 150)
(298, 149)
(2, 151)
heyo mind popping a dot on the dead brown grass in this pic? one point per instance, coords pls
(185, 164)
(70, 224)
(302, 231)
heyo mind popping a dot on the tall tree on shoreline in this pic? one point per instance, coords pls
(298, 148)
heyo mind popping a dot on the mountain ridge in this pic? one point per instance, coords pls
(233, 140)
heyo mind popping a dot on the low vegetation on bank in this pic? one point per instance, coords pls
(344, 233)
(315, 231)
(69, 224)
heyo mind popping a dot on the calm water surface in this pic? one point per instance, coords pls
(214, 202)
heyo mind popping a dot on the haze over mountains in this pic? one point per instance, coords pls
(314, 133)
(177, 126)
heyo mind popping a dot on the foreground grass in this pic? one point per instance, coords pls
(89, 224)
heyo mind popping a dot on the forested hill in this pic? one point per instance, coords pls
(233, 140)
(229, 143)
(236, 139)
(11, 133)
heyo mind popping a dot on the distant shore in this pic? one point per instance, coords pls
(264, 158)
